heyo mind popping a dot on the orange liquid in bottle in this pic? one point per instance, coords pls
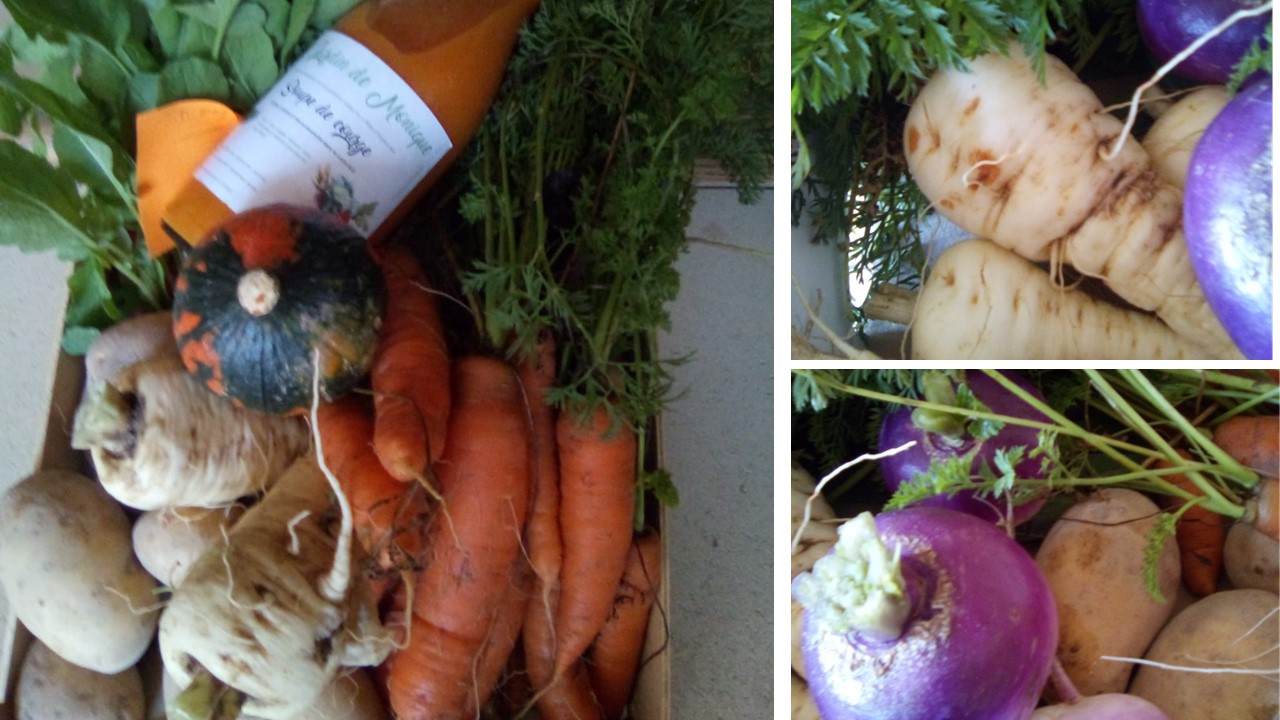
(450, 54)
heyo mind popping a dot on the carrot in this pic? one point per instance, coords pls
(410, 373)
(597, 501)
(387, 515)
(615, 654)
(1201, 536)
(545, 552)
(462, 600)
(1254, 441)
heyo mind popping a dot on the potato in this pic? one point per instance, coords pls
(167, 541)
(68, 569)
(1092, 559)
(1228, 629)
(1252, 559)
(50, 688)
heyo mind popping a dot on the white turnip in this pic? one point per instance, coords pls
(1021, 163)
(929, 614)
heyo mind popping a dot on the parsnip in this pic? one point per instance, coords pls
(275, 612)
(1175, 133)
(1023, 164)
(982, 301)
(161, 439)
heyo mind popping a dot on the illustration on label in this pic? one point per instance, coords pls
(339, 129)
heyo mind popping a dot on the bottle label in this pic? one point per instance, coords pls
(339, 130)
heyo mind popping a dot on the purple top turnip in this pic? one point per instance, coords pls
(1169, 26)
(938, 440)
(1226, 216)
(926, 614)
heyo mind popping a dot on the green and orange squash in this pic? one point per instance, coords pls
(262, 295)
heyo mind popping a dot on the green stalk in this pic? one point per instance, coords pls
(1227, 464)
(1217, 502)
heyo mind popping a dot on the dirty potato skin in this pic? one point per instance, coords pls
(1092, 559)
(1229, 629)
(1020, 163)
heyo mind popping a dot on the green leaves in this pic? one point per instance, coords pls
(581, 181)
(73, 74)
(1256, 59)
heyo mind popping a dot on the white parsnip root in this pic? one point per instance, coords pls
(983, 301)
(1022, 164)
(275, 611)
(160, 439)
(1175, 133)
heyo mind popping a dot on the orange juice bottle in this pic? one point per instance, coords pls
(365, 120)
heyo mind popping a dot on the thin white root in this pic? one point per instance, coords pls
(294, 546)
(1183, 668)
(817, 490)
(144, 610)
(1173, 62)
(964, 179)
(333, 586)
(836, 341)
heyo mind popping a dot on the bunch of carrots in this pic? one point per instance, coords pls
(498, 529)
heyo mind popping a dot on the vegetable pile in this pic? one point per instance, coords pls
(1082, 242)
(418, 480)
(1091, 511)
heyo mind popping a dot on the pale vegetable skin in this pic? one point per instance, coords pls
(982, 301)
(1020, 163)
(168, 541)
(1251, 559)
(797, 643)
(65, 553)
(802, 707)
(127, 343)
(1111, 706)
(1092, 559)
(818, 534)
(351, 696)
(252, 612)
(1229, 629)
(50, 688)
(174, 443)
(1173, 136)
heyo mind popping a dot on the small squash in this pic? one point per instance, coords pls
(265, 291)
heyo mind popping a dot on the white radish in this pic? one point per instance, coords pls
(161, 439)
(275, 612)
(1022, 164)
(981, 301)
(1175, 133)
